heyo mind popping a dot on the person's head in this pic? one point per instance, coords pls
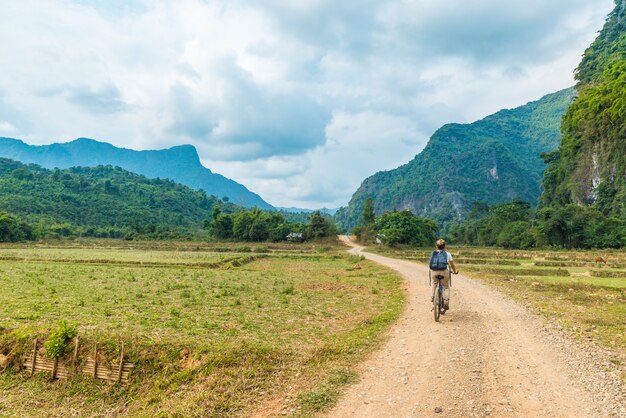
(441, 244)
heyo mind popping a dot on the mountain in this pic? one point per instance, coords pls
(100, 198)
(589, 168)
(180, 163)
(328, 211)
(492, 160)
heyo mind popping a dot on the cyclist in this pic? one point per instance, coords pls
(440, 263)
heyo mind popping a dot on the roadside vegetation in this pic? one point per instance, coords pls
(216, 329)
(587, 298)
(516, 225)
(513, 225)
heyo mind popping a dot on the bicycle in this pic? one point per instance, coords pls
(438, 304)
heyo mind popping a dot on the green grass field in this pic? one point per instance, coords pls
(587, 298)
(214, 330)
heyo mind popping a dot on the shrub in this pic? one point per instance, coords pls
(59, 339)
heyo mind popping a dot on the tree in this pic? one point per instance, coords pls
(259, 230)
(368, 215)
(517, 235)
(405, 228)
(319, 226)
(242, 222)
(279, 232)
(489, 227)
(13, 230)
(222, 226)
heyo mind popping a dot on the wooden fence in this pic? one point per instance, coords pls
(95, 366)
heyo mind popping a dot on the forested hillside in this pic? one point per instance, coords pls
(584, 202)
(101, 201)
(181, 164)
(106, 201)
(492, 160)
(589, 168)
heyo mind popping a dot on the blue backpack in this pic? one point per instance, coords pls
(438, 260)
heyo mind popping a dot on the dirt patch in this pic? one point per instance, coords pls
(270, 409)
(188, 362)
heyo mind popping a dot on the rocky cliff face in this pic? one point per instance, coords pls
(589, 168)
(181, 164)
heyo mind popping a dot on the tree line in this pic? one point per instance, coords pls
(257, 225)
(395, 227)
(513, 224)
(109, 202)
(516, 225)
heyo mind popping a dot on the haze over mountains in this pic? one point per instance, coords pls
(492, 160)
(329, 211)
(180, 163)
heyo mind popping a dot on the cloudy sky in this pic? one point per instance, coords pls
(299, 100)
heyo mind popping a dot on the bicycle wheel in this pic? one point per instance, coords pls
(437, 303)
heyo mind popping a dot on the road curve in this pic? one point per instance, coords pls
(488, 356)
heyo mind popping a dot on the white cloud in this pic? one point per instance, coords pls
(357, 146)
(6, 127)
(299, 100)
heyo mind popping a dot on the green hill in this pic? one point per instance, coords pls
(589, 168)
(492, 160)
(181, 164)
(100, 201)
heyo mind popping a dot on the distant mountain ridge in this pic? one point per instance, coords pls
(492, 160)
(180, 163)
(329, 211)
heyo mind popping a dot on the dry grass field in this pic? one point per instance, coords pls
(213, 330)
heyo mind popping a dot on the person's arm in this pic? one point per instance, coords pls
(454, 269)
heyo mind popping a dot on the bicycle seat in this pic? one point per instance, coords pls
(439, 276)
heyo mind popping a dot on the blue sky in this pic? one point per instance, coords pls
(299, 100)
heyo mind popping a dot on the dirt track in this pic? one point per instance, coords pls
(487, 356)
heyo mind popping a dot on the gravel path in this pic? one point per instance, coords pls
(487, 357)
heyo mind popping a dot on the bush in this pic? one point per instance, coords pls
(59, 339)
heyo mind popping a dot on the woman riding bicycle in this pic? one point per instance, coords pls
(440, 264)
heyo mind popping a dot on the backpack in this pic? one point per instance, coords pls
(438, 260)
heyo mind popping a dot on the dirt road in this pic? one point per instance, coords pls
(487, 357)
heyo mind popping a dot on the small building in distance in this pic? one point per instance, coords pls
(295, 237)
